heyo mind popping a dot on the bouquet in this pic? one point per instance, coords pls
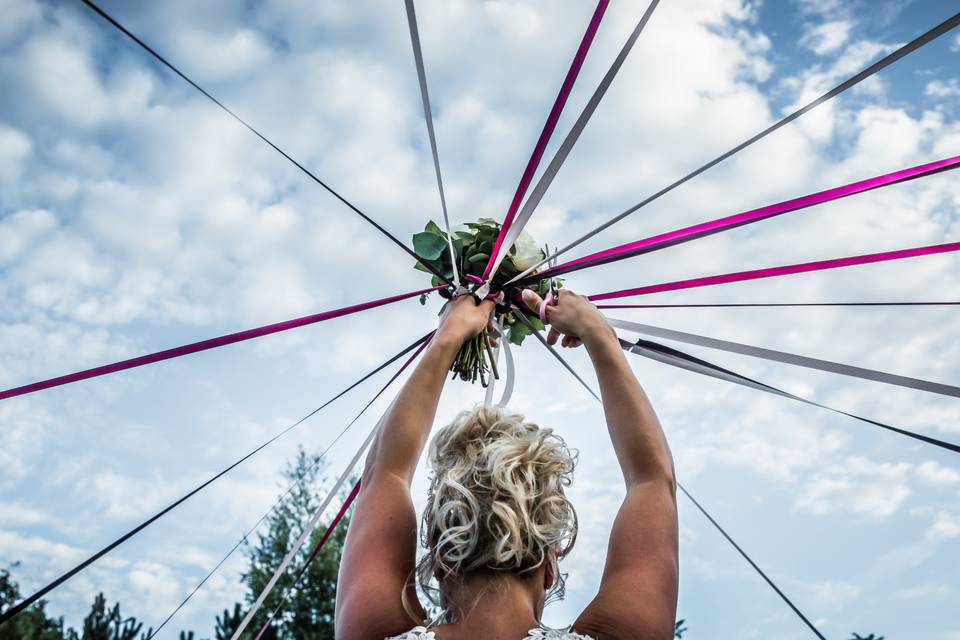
(472, 248)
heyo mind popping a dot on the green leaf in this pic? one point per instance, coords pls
(477, 257)
(433, 228)
(463, 235)
(517, 332)
(539, 326)
(428, 245)
(423, 298)
(419, 266)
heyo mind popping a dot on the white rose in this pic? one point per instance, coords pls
(528, 253)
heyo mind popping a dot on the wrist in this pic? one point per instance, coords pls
(599, 336)
(447, 342)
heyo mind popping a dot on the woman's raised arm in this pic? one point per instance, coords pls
(638, 591)
(380, 550)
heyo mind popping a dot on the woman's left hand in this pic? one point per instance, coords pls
(463, 319)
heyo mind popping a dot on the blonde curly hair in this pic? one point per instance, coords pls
(496, 501)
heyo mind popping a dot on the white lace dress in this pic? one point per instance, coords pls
(421, 633)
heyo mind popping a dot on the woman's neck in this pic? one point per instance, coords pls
(501, 606)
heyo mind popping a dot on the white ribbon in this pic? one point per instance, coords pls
(508, 380)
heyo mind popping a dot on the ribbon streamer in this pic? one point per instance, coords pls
(536, 195)
(315, 518)
(730, 539)
(788, 358)
(910, 47)
(29, 600)
(428, 117)
(203, 345)
(686, 234)
(143, 45)
(679, 359)
(503, 344)
(545, 134)
(776, 304)
(771, 272)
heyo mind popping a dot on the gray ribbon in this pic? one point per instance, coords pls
(428, 117)
(533, 200)
(682, 360)
(789, 358)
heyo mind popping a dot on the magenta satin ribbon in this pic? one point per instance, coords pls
(203, 345)
(670, 238)
(547, 131)
(771, 272)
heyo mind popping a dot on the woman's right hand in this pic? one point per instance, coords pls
(574, 317)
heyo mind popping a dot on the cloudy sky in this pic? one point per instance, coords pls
(134, 216)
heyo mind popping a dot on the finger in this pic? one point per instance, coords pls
(532, 300)
(567, 341)
(553, 336)
(576, 342)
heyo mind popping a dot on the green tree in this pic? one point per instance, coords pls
(679, 629)
(228, 623)
(306, 608)
(31, 624)
(108, 624)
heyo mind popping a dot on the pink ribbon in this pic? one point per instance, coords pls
(547, 131)
(771, 272)
(546, 302)
(211, 343)
(686, 234)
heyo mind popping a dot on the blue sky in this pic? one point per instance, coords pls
(135, 216)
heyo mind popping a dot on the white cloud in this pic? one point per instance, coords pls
(827, 37)
(832, 595)
(857, 486)
(18, 514)
(17, 546)
(216, 56)
(942, 89)
(938, 475)
(20, 229)
(15, 148)
(922, 591)
(946, 526)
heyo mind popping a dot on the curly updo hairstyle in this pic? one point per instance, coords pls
(496, 501)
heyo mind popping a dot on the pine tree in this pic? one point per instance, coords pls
(306, 609)
(33, 623)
